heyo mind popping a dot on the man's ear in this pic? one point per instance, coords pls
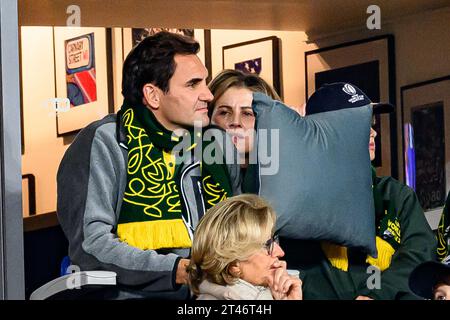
(151, 95)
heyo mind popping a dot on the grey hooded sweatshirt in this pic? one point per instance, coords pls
(91, 182)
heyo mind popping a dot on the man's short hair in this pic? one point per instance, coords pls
(152, 61)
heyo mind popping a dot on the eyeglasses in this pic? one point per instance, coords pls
(270, 244)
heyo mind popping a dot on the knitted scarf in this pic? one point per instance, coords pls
(443, 231)
(152, 215)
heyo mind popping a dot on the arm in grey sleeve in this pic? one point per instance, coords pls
(88, 193)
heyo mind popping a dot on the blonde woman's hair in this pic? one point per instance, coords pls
(234, 78)
(229, 232)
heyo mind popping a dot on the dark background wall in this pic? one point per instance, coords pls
(44, 250)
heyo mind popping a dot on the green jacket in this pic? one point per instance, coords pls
(400, 221)
(443, 231)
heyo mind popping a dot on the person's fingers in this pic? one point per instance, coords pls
(276, 278)
(181, 273)
(291, 283)
(284, 282)
(299, 292)
(301, 109)
(287, 283)
(283, 264)
(296, 283)
(275, 294)
(280, 272)
(280, 264)
(295, 290)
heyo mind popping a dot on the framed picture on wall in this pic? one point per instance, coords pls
(260, 56)
(426, 136)
(124, 39)
(370, 65)
(132, 36)
(81, 77)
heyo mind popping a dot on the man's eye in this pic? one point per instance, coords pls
(248, 114)
(222, 113)
(193, 84)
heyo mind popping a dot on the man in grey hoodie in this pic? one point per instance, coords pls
(124, 202)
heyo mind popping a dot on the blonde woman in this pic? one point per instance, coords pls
(231, 108)
(235, 254)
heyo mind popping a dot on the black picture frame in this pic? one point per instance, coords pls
(30, 182)
(258, 50)
(130, 37)
(370, 65)
(425, 118)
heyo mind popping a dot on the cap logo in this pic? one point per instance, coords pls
(350, 90)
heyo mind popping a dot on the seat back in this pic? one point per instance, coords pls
(74, 281)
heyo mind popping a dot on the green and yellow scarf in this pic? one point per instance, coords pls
(443, 231)
(151, 215)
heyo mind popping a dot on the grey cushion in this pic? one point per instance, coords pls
(320, 185)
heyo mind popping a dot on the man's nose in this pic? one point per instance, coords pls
(206, 95)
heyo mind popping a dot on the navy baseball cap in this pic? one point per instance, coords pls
(426, 275)
(342, 95)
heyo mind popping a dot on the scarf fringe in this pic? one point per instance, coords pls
(337, 255)
(154, 235)
(385, 253)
